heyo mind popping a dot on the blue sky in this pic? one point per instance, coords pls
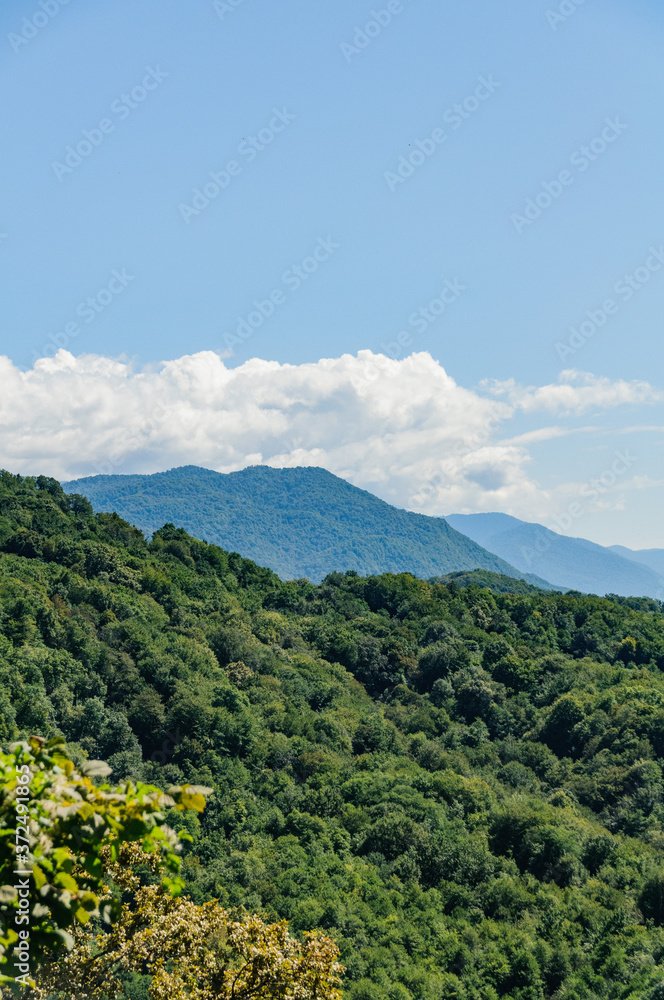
(563, 109)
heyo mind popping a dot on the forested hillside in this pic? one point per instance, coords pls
(299, 522)
(461, 787)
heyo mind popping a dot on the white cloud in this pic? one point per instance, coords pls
(574, 393)
(550, 434)
(402, 429)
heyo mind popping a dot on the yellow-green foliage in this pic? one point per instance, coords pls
(57, 833)
(192, 952)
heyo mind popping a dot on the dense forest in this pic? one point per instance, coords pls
(459, 784)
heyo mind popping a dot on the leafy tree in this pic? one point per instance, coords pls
(55, 821)
(192, 952)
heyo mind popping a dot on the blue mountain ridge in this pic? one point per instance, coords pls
(653, 558)
(573, 563)
(300, 522)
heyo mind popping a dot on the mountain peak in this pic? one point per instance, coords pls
(299, 521)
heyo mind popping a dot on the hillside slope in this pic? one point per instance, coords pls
(574, 563)
(495, 582)
(464, 789)
(652, 558)
(302, 522)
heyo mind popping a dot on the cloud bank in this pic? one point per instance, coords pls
(402, 429)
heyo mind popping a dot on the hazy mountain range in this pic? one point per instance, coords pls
(306, 522)
(654, 558)
(574, 563)
(302, 522)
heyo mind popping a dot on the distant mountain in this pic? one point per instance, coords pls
(574, 563)
(302, 522)
(653, 558)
